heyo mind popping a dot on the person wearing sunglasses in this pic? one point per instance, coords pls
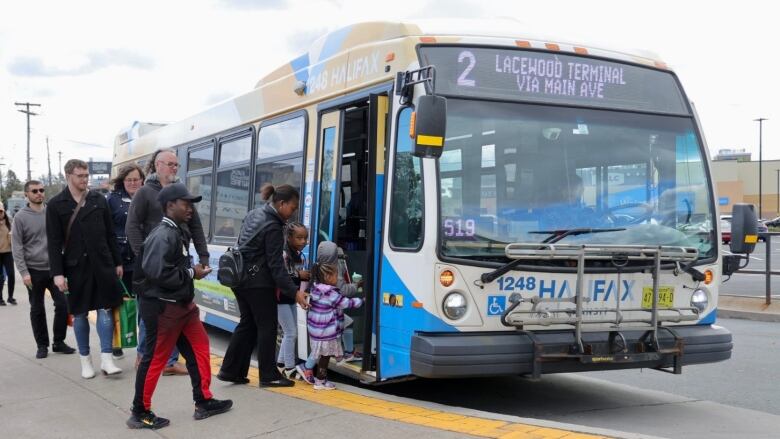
(30, 249)
(6, 260)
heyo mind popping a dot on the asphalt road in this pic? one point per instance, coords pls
(755, 284)
(736, 398)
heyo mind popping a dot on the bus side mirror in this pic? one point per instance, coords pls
(430, 125)
(744, 229)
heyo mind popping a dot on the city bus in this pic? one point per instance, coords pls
(514, 205)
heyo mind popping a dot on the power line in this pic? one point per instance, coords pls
(29, 113)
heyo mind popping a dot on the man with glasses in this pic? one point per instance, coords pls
(30, 250)
(145, 214)
(85, 262)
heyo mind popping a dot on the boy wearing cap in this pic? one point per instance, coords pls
(170, 315)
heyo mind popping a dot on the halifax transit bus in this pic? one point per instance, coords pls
(514, 205)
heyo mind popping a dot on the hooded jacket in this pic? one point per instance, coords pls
(145, 214)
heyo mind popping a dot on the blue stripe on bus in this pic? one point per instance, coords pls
(397, 325)
(709, 318)
(300, 66)
(332, 46)
(220, 322)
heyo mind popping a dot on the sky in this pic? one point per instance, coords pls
(97, 66)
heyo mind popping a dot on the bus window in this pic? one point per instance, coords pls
(200, 159)
(281, 138)
(234, 151)
(406, 211)
(232, 201)
(326, 183)
(201, 185)
(281, 172)
(279, 155)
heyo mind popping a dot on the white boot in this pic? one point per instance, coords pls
(107, 364)
(87, 371)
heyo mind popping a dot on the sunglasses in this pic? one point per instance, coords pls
(37, 191)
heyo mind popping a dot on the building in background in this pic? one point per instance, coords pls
(739, 155)
(736, 181)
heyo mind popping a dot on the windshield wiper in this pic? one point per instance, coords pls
(555, 236)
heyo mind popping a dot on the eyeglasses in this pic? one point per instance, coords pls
(132, 180)
(170, 164)
(37, 191)
(81, 176)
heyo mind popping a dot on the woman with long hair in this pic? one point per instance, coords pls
(6, 257)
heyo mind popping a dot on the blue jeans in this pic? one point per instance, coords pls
(142, 335)
(287, 320)
(105, 330)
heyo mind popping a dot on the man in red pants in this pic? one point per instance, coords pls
(170, 315)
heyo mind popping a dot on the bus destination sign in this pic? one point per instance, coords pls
(511, 74)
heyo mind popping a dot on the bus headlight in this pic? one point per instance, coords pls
(454, 306)
(700, 299)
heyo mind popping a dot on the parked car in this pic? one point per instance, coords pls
(762, 228)
(773, 222)
(725, 228)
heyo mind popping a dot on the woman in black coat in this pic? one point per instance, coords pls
(85, 262)
(126, 183)
(262, 240)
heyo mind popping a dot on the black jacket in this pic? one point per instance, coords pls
(145, 213)
(264, 252)
(119, 203)
(166, 266)
(91, 256)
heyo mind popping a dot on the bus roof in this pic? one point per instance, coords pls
(343, 60)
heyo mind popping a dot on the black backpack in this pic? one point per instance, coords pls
(231, 270)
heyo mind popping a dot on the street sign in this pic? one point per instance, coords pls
(99, 167)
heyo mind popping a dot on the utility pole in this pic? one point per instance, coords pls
(48, 158)
(1, 177)
(760, 121)
(29, 113)
(59, 153)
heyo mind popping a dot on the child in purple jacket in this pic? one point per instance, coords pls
(323, 324)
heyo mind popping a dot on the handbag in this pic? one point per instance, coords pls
(125, 318)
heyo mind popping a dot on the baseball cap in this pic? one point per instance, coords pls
(176, 191)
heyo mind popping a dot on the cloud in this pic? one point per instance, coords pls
(255, 4)
(449, 9)
(29, 66)
(301, 40)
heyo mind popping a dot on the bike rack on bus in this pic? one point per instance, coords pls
(619, 255)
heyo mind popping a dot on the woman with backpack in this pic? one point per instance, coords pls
(261, 242)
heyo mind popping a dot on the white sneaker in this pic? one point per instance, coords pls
(107, 364)
(87, 371)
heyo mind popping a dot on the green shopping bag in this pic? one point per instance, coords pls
(125, 318)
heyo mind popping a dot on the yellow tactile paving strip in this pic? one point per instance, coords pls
(413, 414)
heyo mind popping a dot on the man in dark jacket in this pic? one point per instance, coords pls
(170, 315)
(84, 261)
(145, 214)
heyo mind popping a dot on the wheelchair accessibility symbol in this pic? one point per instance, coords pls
(496, 305)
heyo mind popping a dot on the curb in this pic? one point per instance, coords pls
(748, 315)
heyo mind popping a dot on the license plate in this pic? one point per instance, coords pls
(665, 297)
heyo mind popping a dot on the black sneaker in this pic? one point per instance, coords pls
(118, 353)
(2, 302)
(147, 420)
(236, 380)
(12, 301)
(62, 348)
(281, 382)
(42, 352)
(211, 407)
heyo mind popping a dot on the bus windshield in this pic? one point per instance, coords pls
(514, 172)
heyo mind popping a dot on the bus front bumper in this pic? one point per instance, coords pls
(451, 355)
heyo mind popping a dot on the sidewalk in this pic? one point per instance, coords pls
(47, 398)
(749, 307)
